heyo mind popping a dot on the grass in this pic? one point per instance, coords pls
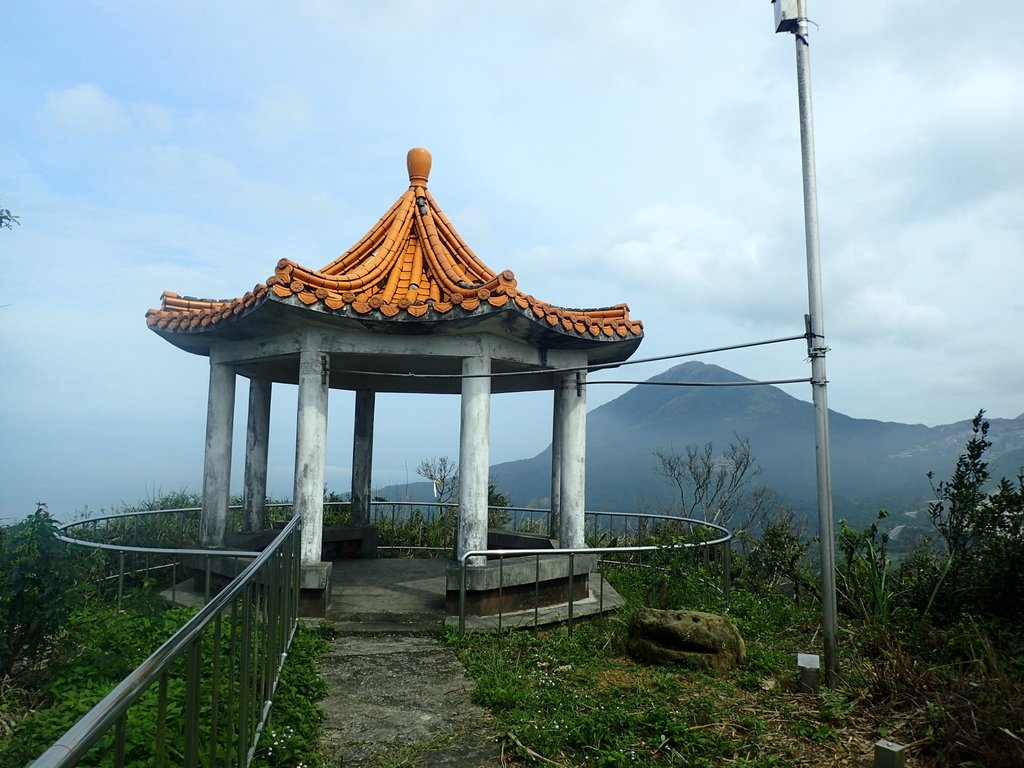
(954, 697)
(580, 700)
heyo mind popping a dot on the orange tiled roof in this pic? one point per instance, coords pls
(411, 263)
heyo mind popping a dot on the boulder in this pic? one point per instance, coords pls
(687, 637)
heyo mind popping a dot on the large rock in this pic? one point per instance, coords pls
(688, 637)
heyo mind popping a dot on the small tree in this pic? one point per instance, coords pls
(716, 488)
(444, 474)
(778, 556)
(982, 533)
(40, 584)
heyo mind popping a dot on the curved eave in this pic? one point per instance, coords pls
(195, 324)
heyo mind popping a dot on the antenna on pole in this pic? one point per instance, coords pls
(791, 16)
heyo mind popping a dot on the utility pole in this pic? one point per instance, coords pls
(791, 16)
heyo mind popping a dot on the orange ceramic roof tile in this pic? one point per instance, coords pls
(411, 262)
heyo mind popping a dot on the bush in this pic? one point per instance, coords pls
(101, 646)
(983, 536)
(41, 583)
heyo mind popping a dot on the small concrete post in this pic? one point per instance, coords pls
(220, 417)
(310, 451)
(362, 456)
(474, 446)
(257, 439)
(809, 665)
(572, 497)
(889, 755)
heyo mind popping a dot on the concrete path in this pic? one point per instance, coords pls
(397, 694)
(402, 700)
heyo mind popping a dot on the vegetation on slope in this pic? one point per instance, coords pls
(932, 654)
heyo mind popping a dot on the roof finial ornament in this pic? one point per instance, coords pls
(418, 162)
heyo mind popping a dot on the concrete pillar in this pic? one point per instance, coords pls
(310, 451)
(474, 456)
(362, 456)
(572, 496)
(257, 438)
(220, 416)
(557, 436)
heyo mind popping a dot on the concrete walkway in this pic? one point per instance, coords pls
(402, 700)
(397, 694)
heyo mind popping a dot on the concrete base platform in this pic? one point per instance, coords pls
(407, 596)
(388, 595)
(601, 598)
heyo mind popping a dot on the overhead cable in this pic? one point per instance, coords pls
(606, 366)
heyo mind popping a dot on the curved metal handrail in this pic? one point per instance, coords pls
(592, 514)
(724, 539)
(74, 744)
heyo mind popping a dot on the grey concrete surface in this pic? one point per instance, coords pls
(398, 696)
(404, 595)
(401, 700)
(388, 595)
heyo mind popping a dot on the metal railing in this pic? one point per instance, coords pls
(615, 539)
(156, 547)
(713, 561)
(211, 684)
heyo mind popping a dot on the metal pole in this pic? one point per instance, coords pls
(816, 349)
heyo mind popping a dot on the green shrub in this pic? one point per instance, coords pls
(99, 647)
(41, 583)
(982, 534)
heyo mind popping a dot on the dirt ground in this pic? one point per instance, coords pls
(401, 700)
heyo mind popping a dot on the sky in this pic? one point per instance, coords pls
(644, 152)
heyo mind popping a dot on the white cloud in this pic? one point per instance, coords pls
(86, 109)
(876, 314)
(642, 153)
(697, 259)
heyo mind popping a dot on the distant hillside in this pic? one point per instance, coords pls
(875, 464)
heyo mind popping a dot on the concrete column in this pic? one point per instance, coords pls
(362, 456)
(257, 438)
(310, 451)
(557, 436)
(474, 456)
(572, 496)
(220, 416)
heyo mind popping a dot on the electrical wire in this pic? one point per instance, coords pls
(606, 366)
(747, 383)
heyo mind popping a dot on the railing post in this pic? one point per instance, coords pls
(161, 722)
(215, 694)
(209, 576)
(192, 688)
(501, 587)
(120, 577)
(726, 570)
(536, 593)
(119, 739)
(572, 584)
(462, 597)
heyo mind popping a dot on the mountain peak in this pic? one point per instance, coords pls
(696, 371)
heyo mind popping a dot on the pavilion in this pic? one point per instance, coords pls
(408, 308)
